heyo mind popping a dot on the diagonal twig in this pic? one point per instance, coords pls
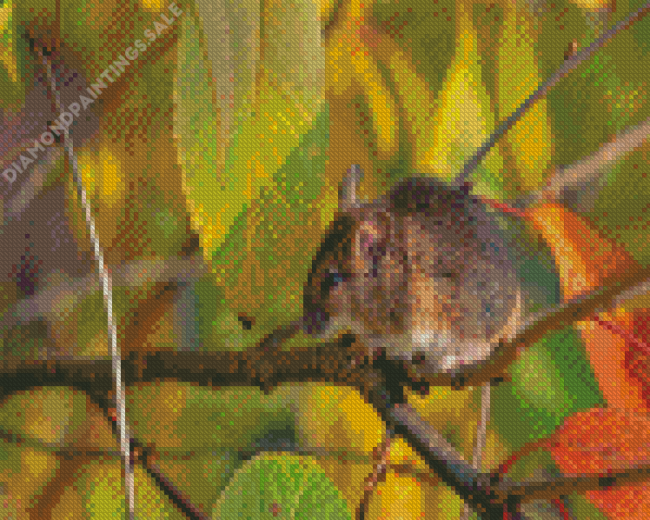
(612, 294)
(481, 438)
(567, 182)
(568, 66)
(376, 477)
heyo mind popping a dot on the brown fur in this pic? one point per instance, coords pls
(416, 272)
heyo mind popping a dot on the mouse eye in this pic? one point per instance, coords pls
(333, 279)
(448, 275)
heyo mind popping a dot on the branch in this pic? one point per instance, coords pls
(225, 368)
(613, 293)
(331, 363)
(345, 363)
(553, 487)
(260, 367)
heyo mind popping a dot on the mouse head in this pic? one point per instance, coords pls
(421, 274)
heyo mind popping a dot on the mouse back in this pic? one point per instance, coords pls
(421, 274)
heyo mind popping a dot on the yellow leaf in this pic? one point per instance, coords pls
(399, 497)
(415, 97)
(463, 120)
(350, 70)
(594, 5)
(112, 185)
(334, 417)
(518, 77)
(8, 42)
(450, 411)
(154, 5)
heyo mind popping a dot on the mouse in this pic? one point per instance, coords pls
(422, 275)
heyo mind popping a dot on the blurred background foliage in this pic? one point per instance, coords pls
(237, 125)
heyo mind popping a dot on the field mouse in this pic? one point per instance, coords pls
(421, 274)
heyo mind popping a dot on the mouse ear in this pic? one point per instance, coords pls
(366, 243)
(348, 189)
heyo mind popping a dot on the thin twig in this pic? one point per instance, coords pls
(481, 439)
(377, 476)
(568, 66)
(441, 456)
(612, 294)
(481, 432)
(43, 304)
(584, 175)
(105, 277)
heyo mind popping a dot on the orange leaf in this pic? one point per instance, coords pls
(602, 440)
(609, 355)
(586, 260)
(631, 329)
(638, 359)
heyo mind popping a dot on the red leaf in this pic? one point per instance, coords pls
(601, 440)
(633, 328)
(598, 442)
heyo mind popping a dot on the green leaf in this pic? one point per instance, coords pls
(620, 211)
(272, 114)
(98, 492)
(549, 384)
(281, 487)
(464, 118)
(183, 416)
(264, 260)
